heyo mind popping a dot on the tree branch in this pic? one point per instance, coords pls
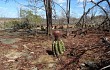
(105, 67)
(89, 11)
(100, 7)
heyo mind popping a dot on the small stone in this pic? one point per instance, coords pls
(10, 60)
(31, 52)
(34, 68)
(50, 65)
(12, 54)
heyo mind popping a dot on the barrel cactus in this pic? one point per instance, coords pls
(57, 45)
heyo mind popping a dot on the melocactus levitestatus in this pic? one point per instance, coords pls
(57, 45)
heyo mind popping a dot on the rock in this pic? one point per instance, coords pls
(13, 54)
(10, 60)
(50, 65)
(34, 68)
(89, 65)
(31, 52)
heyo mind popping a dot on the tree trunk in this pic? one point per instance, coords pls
(49, 18)
(48, 9)
(68, 16)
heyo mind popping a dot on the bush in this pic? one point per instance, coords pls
(22, 25)
(10, 24)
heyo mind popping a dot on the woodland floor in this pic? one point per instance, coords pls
(21, 52)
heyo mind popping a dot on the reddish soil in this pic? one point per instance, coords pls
(34, 52)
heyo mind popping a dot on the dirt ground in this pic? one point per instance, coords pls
(21, 52)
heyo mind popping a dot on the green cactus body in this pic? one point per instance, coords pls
(58, 47)
(53, 49)
(62, 44)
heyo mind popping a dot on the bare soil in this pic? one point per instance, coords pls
(34, 52)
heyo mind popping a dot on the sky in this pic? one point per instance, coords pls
(11, 8)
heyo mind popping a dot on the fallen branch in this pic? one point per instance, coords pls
(105, 67)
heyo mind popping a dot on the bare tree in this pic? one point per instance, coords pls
(96, 4)
(68, 15)
(48, 8)
(84, 7)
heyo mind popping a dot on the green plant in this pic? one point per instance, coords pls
(10, 24)
(57, 45)
(28, 14)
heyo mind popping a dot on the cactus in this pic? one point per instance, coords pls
(58, 47)
(61, 46)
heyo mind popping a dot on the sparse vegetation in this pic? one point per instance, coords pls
(31, 41)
